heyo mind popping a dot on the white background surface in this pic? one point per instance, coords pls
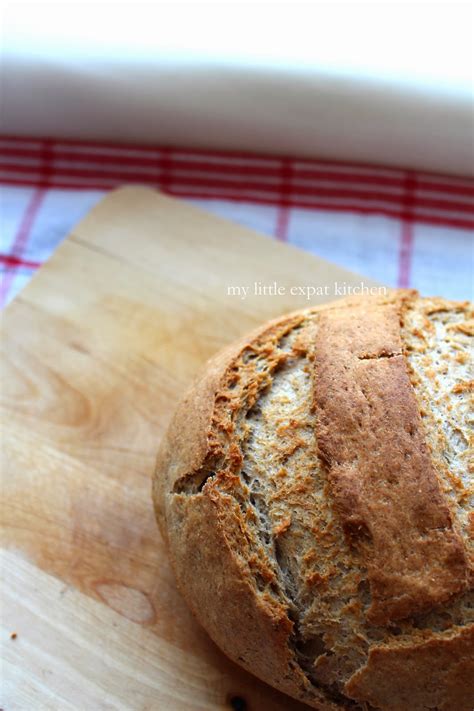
(379, 82)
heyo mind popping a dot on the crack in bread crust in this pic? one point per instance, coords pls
(255, 531)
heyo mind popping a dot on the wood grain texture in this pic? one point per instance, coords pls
(95, 353)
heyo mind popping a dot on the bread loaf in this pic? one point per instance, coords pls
(314, 488)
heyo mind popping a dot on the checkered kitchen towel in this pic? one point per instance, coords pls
(400, 227)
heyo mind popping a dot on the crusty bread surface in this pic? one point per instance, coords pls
(315, 491)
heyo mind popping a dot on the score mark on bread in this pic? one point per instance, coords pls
(383, 482)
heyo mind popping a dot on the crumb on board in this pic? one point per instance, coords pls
(13, 635)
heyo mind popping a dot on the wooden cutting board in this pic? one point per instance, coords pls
(96, 351)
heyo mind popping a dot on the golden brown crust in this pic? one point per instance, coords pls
(237, 619)
(385, 488)
(186, 444)
(263, 601)
(436, 674)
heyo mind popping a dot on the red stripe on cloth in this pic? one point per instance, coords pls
(238, 155)
(406, 236)
(165, 165)
(268, 163)
(24, 229)
(241, 183)
(29, 216)
(21, 240)
(47, 159)
(269, 169)
(58, 184)
(358, 209)
(319, 205)
(314, 173)
(9, 261)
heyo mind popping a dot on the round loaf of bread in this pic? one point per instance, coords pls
(314, 488)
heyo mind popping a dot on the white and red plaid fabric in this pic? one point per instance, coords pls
(401, 227)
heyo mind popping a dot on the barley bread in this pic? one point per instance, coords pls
(315, 490)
